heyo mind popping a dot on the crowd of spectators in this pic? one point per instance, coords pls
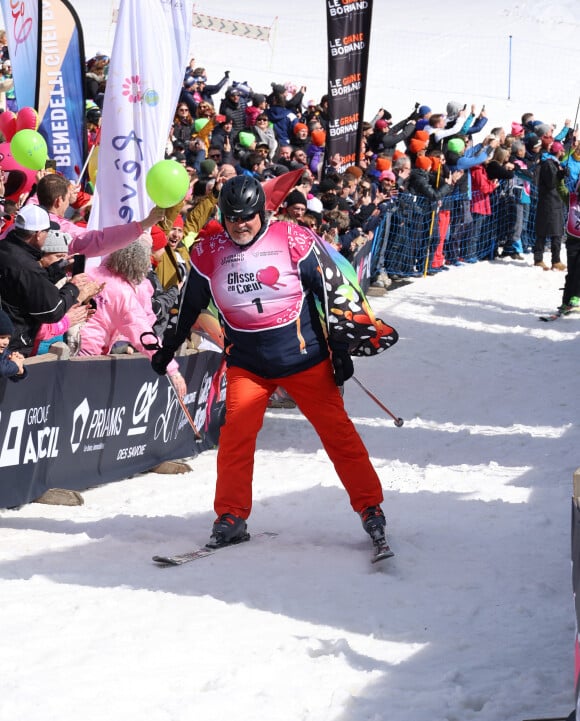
(448, 160)
(444, 166)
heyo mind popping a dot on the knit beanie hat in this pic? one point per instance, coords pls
(517, 129)
(383, 163)
(158, 237)
(533, 142)
(557, 147)
(327, 184)
(381, 124)
(56, 242)
(298, 127)
(388, 175)
(456, 145)
(178, 222)
(315, 205)
(435, 162)
(246, 140)
(453, 108)
(207, 167)
(318, 138)
(416, 145)
(6, 325)
(423, 110)
(423, 162)
(295, 198)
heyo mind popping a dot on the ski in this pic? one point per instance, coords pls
(382, 551)
(181, 558)
(571, 310)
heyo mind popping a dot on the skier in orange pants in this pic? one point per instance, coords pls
(264, 278)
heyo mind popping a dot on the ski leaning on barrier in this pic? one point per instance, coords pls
(292, 318)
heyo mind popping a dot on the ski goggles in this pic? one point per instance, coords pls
(240, 218)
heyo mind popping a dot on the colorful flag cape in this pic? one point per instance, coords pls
(347, 314)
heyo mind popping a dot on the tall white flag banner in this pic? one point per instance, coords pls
(148, 60)
(22, 21)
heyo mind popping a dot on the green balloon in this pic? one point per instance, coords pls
(167, 183)
(29, 149)
(246, 139)
(200, 124)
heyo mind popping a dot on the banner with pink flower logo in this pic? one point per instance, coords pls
(148, 60)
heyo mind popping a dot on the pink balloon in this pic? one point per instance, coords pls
(20, 180)
(27, 119)
(7, 124)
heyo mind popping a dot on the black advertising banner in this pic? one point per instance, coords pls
(349, 30)
(80, 423)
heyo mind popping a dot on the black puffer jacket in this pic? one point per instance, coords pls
(28, 295)
(420, 184)
(235, 111)
(549, 211)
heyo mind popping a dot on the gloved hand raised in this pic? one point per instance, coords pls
(161, 359)
(343, 366)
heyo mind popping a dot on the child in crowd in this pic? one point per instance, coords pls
(11, 362)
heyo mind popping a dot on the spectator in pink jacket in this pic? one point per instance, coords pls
(55, 251)
(121, 312)
(54, 195)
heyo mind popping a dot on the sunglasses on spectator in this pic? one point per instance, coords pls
(240, 218)
(215, 156)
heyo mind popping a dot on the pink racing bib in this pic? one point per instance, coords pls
(573, 221)
(259, 287)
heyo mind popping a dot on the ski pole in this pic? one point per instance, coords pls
(434, 214)
(398, 421)
(155, 346)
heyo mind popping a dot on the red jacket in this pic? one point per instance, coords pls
(481, 187)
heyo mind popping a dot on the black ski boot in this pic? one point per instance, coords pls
(374, 523)
(227, 530)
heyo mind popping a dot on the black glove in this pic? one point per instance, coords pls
(343, 366)
(227, 73)
(161, 359)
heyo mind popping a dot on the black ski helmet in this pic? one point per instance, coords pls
(242, 195)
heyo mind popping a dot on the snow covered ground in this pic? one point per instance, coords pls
(472, 619)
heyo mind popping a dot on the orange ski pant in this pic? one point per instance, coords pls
(317, 396)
